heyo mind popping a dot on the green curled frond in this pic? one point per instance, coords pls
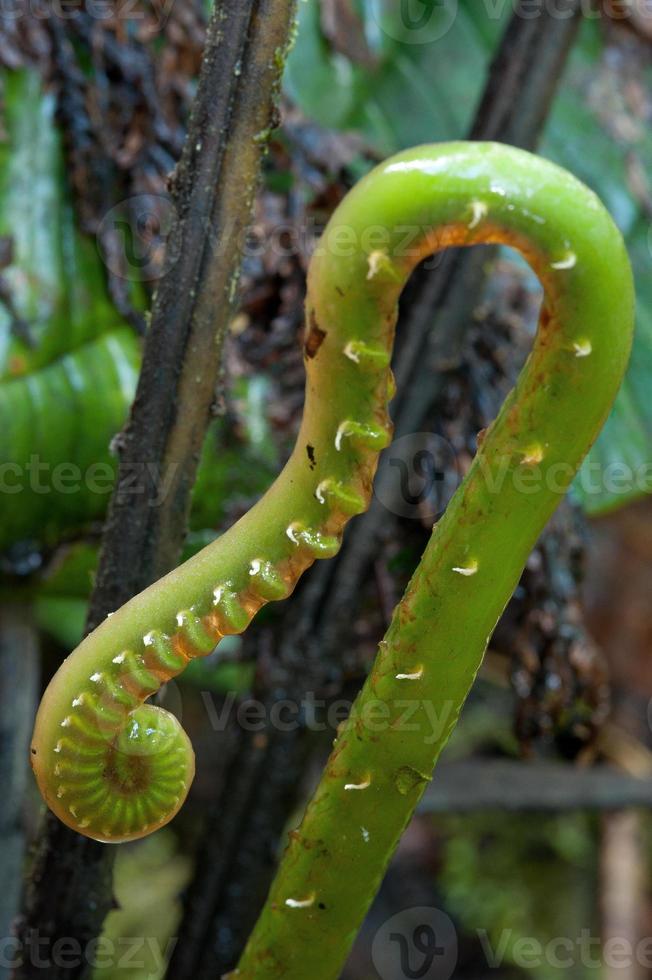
(132, 765)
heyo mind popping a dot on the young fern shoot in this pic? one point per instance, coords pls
(383, 758)
(116, 769)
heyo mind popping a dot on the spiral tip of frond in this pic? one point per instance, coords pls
(125, 788)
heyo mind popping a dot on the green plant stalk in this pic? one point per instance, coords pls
(116, 770)
(55, 473)
(384, 756)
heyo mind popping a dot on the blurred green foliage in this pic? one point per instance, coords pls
(55, 277)
(56, 468)
(517, 883)
(138, 937)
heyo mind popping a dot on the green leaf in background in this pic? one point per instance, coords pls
(317, 78)
(55, 276)
(68, 374)
(61, 594)
(68, 378)
(413, 92)
(419, 90)
(62, 619)
(56, 468)
(138, 937)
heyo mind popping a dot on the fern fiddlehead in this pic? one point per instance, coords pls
(116, 769)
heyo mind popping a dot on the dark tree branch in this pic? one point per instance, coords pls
(525, 73)
(213, 191)
(316, 627)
